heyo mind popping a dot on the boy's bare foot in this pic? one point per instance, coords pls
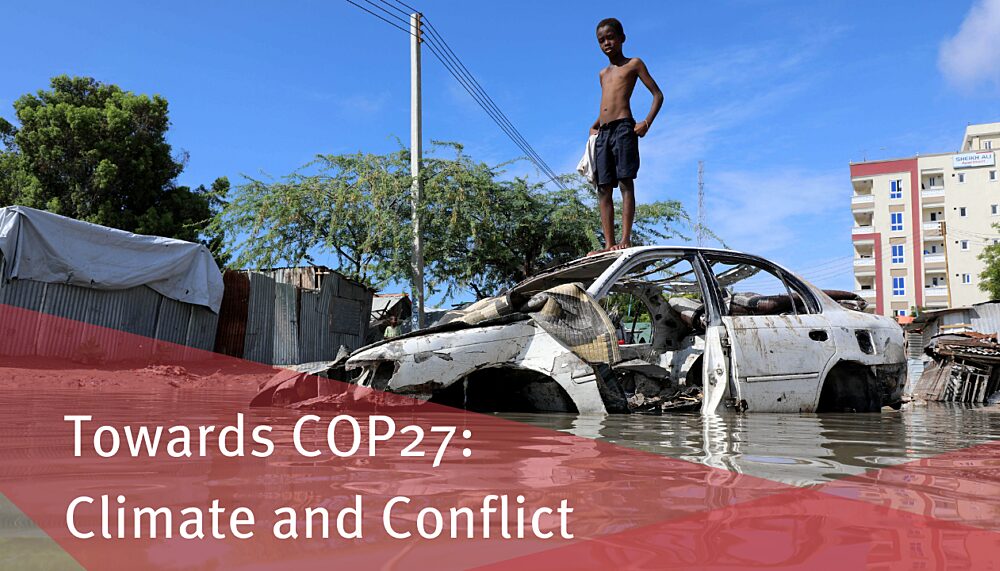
(621, 245)
(601, 251)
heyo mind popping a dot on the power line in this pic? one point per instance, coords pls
(379, 17)
(447, 57)
(439, 48)
(407, 6)
(437, 37)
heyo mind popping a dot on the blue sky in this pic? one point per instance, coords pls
(777, 97)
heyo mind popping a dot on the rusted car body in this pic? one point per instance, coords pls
(728, 330)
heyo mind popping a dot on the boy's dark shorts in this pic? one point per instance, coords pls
(616, 152)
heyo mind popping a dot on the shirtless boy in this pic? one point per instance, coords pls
(616, 153)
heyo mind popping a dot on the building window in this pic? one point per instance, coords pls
(896, 188)
(993, 176)
(897, 253)
(987, 145)
(933, 181)
(964, 244)
(896, 221)
(961, 177)
(961, 211)
(966, 278)
(993, 210)
(899, 286)
(900, 312)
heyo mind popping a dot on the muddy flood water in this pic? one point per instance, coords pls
(794, 449)
(797, 449)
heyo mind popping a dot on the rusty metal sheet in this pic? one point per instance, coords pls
(286, 324)
(230, 335)
(259, 343)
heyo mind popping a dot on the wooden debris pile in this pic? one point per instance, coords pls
(965, 369)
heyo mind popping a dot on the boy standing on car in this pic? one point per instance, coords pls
(616, 152)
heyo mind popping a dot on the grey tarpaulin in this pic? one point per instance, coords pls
(46, 247)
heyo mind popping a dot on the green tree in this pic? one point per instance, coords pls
(989, 279)
(95, 152)
(482, 232)
(348, 205)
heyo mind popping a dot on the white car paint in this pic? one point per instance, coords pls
(769, 363)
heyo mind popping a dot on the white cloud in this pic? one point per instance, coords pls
(778, 212)
(972, 56)
(683, 138)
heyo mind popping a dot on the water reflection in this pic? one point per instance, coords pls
(795, 449)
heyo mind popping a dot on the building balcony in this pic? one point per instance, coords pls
(866, 294)
(932, 229)
(936, 291)
(862, 230)
(935, 258)
(863, 202)
(932, 192)
(864, 266)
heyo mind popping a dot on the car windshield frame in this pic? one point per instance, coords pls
(583, 270)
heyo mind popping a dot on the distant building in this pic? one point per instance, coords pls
(920, 224)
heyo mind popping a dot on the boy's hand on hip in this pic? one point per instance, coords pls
(641, 128)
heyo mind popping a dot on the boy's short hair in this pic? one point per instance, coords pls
(612, 23)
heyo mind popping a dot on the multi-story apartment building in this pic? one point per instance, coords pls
(920, 224)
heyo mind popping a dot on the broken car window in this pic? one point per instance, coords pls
(657, 302)
(750, 289)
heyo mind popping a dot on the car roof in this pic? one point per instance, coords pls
(610, 257)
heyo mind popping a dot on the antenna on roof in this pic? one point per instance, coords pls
(701, 203)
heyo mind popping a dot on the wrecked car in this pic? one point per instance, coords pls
(720, 329)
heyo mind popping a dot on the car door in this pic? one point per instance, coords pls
(682, 306)
(781, 344)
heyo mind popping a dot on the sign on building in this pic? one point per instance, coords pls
(975, 159)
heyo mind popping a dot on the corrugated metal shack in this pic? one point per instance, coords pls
(138, 310)
(981, 317)
(287, 316)
(384, 306)
(949, 354)
(56, 266)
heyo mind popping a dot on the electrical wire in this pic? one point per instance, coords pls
(436, 36)
(447, 57)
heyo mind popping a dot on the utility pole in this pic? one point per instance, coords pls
(701, 203)
(416, 153)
